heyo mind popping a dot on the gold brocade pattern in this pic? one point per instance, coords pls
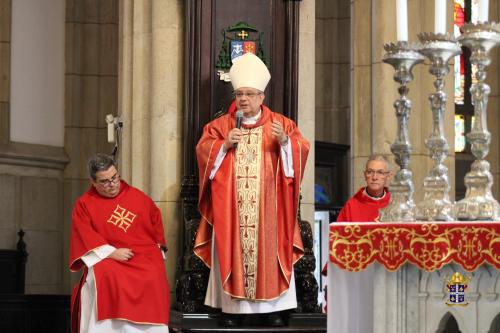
(428, 246)
(247, 166)
(122, 218)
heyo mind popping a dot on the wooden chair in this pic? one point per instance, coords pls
(13, 268)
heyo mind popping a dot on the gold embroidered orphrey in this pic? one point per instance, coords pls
(122, 218)
(247, 166)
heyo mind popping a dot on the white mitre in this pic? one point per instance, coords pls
(250, 72)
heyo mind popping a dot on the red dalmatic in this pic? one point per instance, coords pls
(135, 290)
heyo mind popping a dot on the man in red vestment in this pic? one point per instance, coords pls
(364, 206)
(249, 195)
(117, 238)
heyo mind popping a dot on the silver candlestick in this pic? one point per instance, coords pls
(479, 203)
(436, 206)
(402, 56)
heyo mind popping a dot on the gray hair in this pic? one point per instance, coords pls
(378, 157)
(99, 162)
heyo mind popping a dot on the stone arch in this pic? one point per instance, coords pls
(448, 324)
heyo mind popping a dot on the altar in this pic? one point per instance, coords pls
(414, 277)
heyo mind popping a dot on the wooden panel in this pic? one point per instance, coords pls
(35, 313)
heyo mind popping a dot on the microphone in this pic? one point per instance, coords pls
(239, 118)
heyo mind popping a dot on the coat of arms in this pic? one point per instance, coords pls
(238, 39)
(456, 286)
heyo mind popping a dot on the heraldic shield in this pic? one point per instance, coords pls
(238, 39)
(457, 285)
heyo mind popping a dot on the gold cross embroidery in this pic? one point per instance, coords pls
(245, 225)
(122, 218)
(247, 177)
(252, 134)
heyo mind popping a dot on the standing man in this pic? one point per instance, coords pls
(117, 238)
(364, 206)
(249, 195)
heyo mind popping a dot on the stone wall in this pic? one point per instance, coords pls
(31, 187)
(91, 93)
(5, 19)
(332, 71)
(416, 300)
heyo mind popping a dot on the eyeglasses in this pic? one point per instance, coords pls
(110, 181)
(380, 173)
(240, 94)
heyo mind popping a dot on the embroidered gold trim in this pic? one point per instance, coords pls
(247, 166)
(208, 162)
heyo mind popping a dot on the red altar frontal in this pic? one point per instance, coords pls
(377, 270)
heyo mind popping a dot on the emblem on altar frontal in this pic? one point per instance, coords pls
(456, 285)
(238, 39)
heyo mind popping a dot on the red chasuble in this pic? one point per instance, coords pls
(255, 221)
(136, 290)
(362, 208)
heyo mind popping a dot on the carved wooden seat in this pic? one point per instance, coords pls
(13, 267)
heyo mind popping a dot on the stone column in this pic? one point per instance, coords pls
(5, 21)
(373, 120)
(333, 70)
(306, 101)
(397, 290)
(150, 104)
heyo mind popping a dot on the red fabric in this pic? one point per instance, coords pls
(279, 240)
(362, 208)
(76, 304)
(429, 246)
(136, 290)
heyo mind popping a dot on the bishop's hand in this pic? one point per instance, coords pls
(233, 138)
(279, 132)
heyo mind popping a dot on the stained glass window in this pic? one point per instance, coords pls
(464, 11)
(474, 12)
(459, 133)
(459, 67)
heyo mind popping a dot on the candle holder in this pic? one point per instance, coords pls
(402, 56)
(479, 203)
(436, 206)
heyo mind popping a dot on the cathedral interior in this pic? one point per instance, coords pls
(153, 74)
